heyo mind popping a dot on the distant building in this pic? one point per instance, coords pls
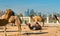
(1, 13)
(32, 12)
(29, 12)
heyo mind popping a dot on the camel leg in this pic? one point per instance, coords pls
(5, 31)
(18, 23)
(43, 24)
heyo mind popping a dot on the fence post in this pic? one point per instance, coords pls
(5, 31)
(57, 22)
(47, 19)
(29, 19)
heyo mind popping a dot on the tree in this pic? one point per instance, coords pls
(35, 14)
(20, 15)
(39, 13)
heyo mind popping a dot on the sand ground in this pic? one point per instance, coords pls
(50, 30)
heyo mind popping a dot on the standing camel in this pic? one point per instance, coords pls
(9, 17)
(58, 19)
(37, 19)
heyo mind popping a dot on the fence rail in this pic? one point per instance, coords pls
(47, 20)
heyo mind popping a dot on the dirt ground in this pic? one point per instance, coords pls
(49, 30)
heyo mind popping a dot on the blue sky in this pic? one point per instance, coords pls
(20, 6)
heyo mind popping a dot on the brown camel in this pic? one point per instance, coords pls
(37, 19)
(9, 17)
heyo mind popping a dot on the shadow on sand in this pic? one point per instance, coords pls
(30, 33)
(51, 26)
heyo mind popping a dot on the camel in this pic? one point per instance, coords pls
(37, 19)
(58, 19)
(34, 27)
(9, 17)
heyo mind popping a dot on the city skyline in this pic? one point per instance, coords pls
(20, 6)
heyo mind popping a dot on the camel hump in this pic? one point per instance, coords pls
(38, 18)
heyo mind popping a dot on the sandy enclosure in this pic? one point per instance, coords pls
(50, 30)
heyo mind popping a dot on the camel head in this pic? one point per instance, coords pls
(9, 13)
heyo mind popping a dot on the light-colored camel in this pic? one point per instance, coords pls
(37, 19)
(9, 17)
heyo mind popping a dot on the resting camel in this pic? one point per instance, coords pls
(37, 19)
(9, 17)
(34, 27)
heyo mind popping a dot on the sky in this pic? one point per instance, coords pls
(20, 6)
